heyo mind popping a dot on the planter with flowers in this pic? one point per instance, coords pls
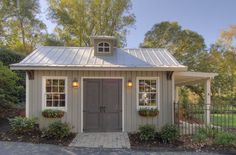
(49, 116)
(53, 113)
(148, 112)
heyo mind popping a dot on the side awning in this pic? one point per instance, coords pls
(190, 78)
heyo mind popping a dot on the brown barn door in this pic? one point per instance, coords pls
(111, 99)
(102, 105)
(92, 103)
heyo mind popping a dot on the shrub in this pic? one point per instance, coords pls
(22, 124)
(12, 83)
(203, 134)
(169, 133)
(8, 57)
(57, 130)
(147, 132)
(225, 138)
(53, 113)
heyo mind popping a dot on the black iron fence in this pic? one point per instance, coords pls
(190, 118)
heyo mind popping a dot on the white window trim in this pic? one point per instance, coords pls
(158, 92)
(103, 47)
(44, 91)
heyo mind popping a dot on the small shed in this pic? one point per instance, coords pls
(102, 88)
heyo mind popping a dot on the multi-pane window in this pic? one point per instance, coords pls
(147, 93)
(103, 47)
(55, 93)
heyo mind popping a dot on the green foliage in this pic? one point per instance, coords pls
(225, 138)
(22, 125)
(24, 28)
(203, 134)
(57, 130)
(12, 82)
(52, 40)
(77, 20)
(8, 57)
(52, 113)
(147, 132)
(148, 111)
(10, 90)
(169, 133)
(184, 44)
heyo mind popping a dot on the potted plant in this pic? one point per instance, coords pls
(53, 113)
(148, 112)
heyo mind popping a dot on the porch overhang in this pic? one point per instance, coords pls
(190, 78)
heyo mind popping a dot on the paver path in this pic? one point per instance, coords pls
(102, 140)
(19, 148)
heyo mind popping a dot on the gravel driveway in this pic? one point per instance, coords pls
(17, 148)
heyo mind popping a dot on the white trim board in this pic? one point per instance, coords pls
(82, 97)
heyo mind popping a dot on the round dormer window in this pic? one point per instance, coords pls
(104, 47)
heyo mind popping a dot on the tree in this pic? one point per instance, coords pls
(77, 20)
(227, 36)
(223, 61)
(185, 45)
(52, 40)
(20, 29)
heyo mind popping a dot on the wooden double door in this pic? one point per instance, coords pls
(102, 107)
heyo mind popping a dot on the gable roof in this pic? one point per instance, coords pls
(82, 58)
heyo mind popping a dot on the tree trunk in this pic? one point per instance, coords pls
(23, 34)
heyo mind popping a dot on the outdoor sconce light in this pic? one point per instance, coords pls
(130, 84)
(75, 83)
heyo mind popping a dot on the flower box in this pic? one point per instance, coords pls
(148, 112)
(53, 113)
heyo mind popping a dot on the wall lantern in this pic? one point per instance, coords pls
(130, 84)
(75, 83)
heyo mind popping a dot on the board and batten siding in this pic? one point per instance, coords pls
(132, 120)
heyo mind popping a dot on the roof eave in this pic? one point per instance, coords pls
(167, 68)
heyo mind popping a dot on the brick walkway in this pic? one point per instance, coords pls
(102, 140)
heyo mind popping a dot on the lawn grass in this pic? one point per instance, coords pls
(223, 120)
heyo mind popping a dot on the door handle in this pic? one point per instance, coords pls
(101, 108)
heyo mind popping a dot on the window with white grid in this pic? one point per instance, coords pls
(147, 92)
(55, 92)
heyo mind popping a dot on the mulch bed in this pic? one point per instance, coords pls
(135, 142)
(33, 137)
(185, 143)
(11, 112)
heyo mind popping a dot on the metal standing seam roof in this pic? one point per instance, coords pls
(75, 58)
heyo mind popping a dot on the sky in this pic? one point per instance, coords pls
(206, 17)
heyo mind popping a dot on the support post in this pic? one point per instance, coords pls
(176, 94)
(176, 104)
(207, 102)
(27, 95)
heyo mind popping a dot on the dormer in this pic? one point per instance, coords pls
(104, 45)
